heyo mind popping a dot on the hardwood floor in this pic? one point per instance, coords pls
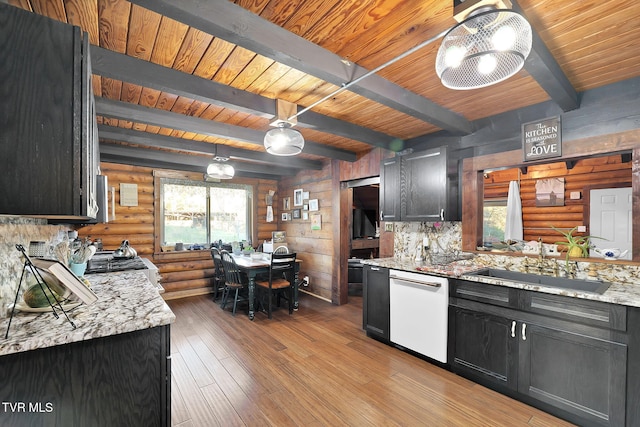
(316, 368)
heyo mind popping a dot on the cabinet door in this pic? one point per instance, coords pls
(375, 301)
(41, 139)
(390, 189)
(483, 347)
(424, 186)
(582, 375)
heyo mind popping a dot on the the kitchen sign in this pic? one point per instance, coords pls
(542, 139)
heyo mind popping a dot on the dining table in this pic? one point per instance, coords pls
(253, 267)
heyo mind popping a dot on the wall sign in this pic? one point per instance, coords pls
(128, 194)
(542, 139)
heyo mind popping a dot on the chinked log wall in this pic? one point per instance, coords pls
(597, 172)
(185, 273)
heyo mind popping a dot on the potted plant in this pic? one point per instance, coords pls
(577, 246)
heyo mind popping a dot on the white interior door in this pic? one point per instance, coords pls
(610, 218)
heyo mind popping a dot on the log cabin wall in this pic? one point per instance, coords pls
(597, 172)
(183, 273)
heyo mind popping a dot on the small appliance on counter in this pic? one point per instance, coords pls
(106, 262)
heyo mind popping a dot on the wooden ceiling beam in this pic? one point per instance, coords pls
(145, 157)
(107, 63)
(236, 25)
(546, 71)
(153, 116)
(198, 147)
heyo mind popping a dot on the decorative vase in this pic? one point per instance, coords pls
(575, 251)
(78, 269)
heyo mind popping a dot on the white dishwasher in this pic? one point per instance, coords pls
(418, 313)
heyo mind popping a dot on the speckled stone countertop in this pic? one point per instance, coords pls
(127, 302)
(622, 293)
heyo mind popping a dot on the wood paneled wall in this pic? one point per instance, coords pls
(314, 247)
(183, 273)
(597, 172)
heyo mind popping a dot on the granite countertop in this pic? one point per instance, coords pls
(127, 302)
(622, 293)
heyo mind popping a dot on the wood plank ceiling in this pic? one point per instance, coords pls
(199, 77)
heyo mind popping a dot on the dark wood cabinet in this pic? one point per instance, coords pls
(416, 187)
(390, 189)
(48, 131)
(565, 355)
(375, 302)
(119, 380)
(483, 347)
(423, 188)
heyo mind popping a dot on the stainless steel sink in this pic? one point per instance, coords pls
(593, 286)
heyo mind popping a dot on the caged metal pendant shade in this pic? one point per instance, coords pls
(283, 140)
(486, 48)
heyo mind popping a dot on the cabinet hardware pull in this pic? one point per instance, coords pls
(441, 214)
(375, 268)
(381, 216)
(417, 282)
(524, 332)
(513, 329)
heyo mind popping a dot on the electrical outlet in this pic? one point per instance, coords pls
(388, 226)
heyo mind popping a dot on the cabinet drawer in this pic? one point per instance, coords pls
(481, 292)
(593, 313)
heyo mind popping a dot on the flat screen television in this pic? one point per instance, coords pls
(364, 223)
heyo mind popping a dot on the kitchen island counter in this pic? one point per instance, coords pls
(113, 369)
(127, 302)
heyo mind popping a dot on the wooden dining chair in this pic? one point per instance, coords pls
(280, 281)
(234, 281)
(218, 275)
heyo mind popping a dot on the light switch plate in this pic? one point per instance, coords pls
(388, 226)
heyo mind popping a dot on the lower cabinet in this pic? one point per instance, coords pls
(375, 302)
(560, 362)
(118, 380)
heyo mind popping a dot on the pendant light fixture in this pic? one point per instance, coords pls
(488, 46)
(219, 169)
(283, 140)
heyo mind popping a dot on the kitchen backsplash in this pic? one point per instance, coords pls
(19, 230)
(445, 240)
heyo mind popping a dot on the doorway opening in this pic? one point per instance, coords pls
(363, 225)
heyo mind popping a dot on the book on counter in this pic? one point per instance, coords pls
(66, 278)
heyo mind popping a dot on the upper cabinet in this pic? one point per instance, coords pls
(48, 132)
(417, 187)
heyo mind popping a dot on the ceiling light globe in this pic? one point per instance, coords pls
(454, 56)
(218, 170)
(283, 141)
(504, 38)
(487, 64)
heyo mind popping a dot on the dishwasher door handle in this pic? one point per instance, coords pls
(417, 282)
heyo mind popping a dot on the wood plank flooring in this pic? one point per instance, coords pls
(316, 368)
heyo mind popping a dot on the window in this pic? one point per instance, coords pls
(199, 213)
(494, 221)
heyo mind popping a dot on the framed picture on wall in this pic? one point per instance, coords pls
(286, 216)
(305, 216)
(316, 222)
(286, 203)
(297, 197)
(313, 205)
(296, 213)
